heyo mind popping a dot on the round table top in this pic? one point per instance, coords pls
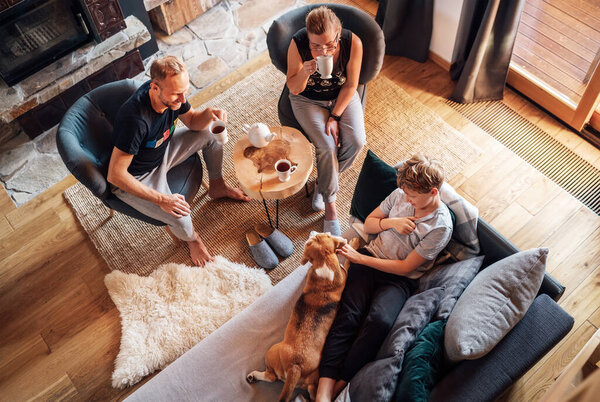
(255, 170)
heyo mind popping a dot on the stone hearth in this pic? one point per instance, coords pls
(67, 71)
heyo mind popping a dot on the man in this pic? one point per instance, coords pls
(147, 146)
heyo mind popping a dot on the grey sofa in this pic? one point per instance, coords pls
(215, 369)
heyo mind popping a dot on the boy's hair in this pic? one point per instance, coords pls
(321, 19)
(166, 67)
(420, 174)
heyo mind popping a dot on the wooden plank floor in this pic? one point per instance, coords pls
(60, 331)
(557, 42)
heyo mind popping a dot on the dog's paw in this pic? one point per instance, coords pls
(250, 378)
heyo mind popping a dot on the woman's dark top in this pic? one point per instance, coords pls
(325, 89)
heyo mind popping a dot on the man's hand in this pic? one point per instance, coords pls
(351, 254)
(216, 114)
(175, 204)
(404, 225)
(332, 128)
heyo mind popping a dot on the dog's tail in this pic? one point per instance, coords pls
(292, 375)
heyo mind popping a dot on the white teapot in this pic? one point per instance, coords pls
(259, 134)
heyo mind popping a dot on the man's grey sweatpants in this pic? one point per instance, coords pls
(331, 160)
(183, 144)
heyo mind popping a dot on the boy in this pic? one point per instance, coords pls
(412, 225)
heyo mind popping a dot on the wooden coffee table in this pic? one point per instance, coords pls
(255, 170)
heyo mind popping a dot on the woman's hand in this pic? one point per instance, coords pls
(404, 225)
(351, 254)
(332, 128)
(309, 67)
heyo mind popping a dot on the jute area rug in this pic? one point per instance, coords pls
(397, 126)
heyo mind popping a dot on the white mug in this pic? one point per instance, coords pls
(219, 130)
(284, 169)
(325, 65)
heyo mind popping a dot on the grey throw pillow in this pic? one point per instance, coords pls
(455, 278)
(377, 380)
(493, 303)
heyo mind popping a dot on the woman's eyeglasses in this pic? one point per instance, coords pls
(328, 47)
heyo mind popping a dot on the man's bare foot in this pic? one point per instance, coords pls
(198, 252)
(219, 189)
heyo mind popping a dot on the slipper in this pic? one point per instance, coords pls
(333, 227)
(262, 254)
(277, 240)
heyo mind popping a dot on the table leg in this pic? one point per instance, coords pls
(269, 215)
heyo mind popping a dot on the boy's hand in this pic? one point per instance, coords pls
(351, 254)
(404, 225)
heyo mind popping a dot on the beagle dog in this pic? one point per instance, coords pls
(295, 360)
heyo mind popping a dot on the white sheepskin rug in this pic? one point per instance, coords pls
(165, 314)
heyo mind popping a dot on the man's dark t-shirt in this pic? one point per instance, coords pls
(144, 133)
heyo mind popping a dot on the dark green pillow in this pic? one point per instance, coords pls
(375, 182)
(422, 365)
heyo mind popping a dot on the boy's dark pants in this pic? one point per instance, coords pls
(368, 309)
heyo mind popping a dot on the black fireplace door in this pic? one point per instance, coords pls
(35, 33)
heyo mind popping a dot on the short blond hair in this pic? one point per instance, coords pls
(166, 67)
(321, 19)
(421, 174)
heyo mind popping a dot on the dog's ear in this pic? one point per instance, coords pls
(304, 259)
(339, 242)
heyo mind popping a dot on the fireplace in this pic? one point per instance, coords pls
(36, 33)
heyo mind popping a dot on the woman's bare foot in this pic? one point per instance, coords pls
(198, 252)
(219, 189)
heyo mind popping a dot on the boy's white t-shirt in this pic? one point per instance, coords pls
(432, 233)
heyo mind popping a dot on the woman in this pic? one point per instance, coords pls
(329, 110)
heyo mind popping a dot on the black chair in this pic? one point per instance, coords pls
(85, 141)
(363, 25)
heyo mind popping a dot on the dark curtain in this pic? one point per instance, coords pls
(484, 44)
(407, 27)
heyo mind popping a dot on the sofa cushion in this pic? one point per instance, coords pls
(423, 364)
(493, 303)
(375, 182)
(464, 243)
(377, 380)
(484, 379)
(455, 278)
